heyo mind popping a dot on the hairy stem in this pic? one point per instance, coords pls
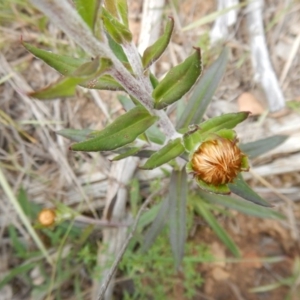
(74, 26)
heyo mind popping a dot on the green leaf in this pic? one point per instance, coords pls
(105, 82)
(193, 139)
(111, 6)
(173, 149)
(87, 69)
(203, 209)
(157, 225)
(155, 135)
(131, 152)
(153, 52)
(117, 49)
(262, 146)
(177, 214)
(148, 217)
(88, 11)
(67, 65)
(93, 69)
(203, 92)
(154, 80)
(242, 189)
(119, 32)
(124, 130)
(123, 11)
(241, 205)
(126, 102)
(178, 81)
(63, 88)
(76, 135)
(227, 121)
(152, 133)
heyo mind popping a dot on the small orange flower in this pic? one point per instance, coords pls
(217, 161)
(47, 217)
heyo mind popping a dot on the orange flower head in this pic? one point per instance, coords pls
(47, 217)
(217, 161)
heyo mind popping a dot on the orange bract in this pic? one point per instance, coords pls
(217, 161)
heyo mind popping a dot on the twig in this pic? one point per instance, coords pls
(263, 69)
(125, 245)
(100, 223)
(291, 57)
(220, 28)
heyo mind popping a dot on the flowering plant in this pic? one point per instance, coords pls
(209, 149)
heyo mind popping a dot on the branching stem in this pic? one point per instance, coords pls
(74, 26)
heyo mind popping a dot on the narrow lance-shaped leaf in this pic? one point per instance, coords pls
(153, 52)
(173, 149)
(93, 69)
(131, 152)
(117, 49)
(119, 32)
(67, 65)
(63, 88)
(177, 214)
(75, 135)
(124, 130)
(242, 189)
(157, 225)
(88, 11)
(153, 133)
(105, 82)
(226, 121)
(203, 92)
(178, 81)
(203, 210)
(262, 146)
(241, 205)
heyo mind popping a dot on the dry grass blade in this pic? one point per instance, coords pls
(14, 202)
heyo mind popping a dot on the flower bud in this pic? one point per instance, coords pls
(47, 217)
(217, 161)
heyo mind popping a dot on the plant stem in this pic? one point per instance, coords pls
(74, 26)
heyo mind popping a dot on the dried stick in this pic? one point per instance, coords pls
(220, 28)
(263, 69)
